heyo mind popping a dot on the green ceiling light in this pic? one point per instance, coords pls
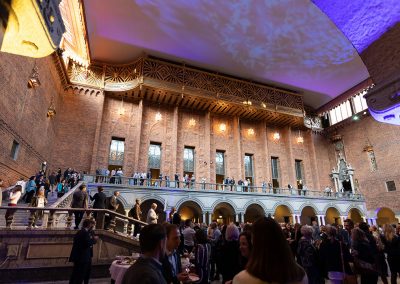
(355, 117)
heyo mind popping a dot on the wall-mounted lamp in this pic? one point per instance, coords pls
(263, 105)
(300, 139)
(158, 117)
(276, 136)
(222, 127)
(192, 122)
(250, 131)
(33, 81)
(247, 102)
(51, 111)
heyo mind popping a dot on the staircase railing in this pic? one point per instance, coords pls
(50, 222)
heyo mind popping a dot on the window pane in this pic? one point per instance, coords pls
(154, 156)
(116, 156)
(188, 160)
(298, 166)
(348, 107)
(332, 115)
(274, 167)
(338, 114)
(357, 104)
(219, 163)
(248, 165)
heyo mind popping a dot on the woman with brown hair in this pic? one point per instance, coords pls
(271, 259)
(38, 201)
(392, 247)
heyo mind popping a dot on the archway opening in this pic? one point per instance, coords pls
(355, 215)
(253, 212)
(332, 216)
(224, 213)
(283, 214)
(191, 210)
(146, 205)
(307, 215)
(386, 216)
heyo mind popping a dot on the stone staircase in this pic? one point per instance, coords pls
(21, 217)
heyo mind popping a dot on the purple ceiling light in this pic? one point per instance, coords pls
(362, 22)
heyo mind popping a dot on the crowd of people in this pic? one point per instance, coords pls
(266, 252)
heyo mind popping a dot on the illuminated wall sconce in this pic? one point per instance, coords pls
(222, 127)
(247, 103)
(51, 111)
(192, 122)
(276, 136)
(300, 139)
(250, 131)
(158, 116)
(263, 105)
(121, 111)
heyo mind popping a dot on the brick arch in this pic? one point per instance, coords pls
(282, 203)
(218, 201)
(353, 206)
(255, 202)
(333, 206)
(316, 211)
(186, 199)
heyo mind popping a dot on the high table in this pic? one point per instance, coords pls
(118, 271)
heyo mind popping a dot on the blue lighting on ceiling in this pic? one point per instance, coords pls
(361, 21)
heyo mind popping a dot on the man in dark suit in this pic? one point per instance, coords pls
(100, 200)
(113, 206)
(79, 200)
(82, 253)
(171, 262)
(148, 268)
(136, 213)
(176, 218)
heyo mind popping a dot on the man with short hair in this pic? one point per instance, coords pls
(152, 215)
(172, 262)
(188, 236)
(148, 268)
(82, 252)
(79, 200)
(136, 213)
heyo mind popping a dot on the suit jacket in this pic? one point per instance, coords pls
(151, 217)
(176, 219)
(99, 200)
(79, 199)
(144, 271)
(82, 248)
(135, 212)
(168, 268)
(113, 205)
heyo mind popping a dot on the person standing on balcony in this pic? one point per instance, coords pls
(79, 201)
(136, 213)
(152, 217)
(177, 180)
(82, 252)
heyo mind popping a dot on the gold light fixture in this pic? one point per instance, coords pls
(276, 136)
(158, 117)
(247, 102)
(250, 131)
(300, 139)
(192, 122)
(222, 127)
(34, 81)
(51, 111)
(263, 105)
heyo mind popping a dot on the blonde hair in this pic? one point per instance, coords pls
(388, 232)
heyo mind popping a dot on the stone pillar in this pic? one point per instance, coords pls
(208, 156)
(209, 218)
(351, 173)
(266, 157)
(294, 218)
(364, 219)
(237, 217)
(291, 171)
(238, 146)
(342, 218)
(174, 143)
(95, 163)
(314, 165)
(137, 137)
(204, 217)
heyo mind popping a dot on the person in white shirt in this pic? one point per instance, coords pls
(152, 217)
(22, 183)
(188, 236)
(15, 195)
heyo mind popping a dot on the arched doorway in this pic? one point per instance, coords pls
(253, 212)
(191, 210)
(307, 215)
(355, 215)
(332, 216)
(223, 213)
(386, 216)
(146, 205)
(283, 214)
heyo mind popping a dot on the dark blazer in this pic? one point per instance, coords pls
(82, 249)
(176, 219)
(167, 269)
(99, 200)
(79, 199)
(144, 271)
(135, 212)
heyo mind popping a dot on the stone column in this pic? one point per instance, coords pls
(208, 156)
(95, 163)
(294, 218)
(209, 217)
(342, 218)
(266, 156)
(364, 219)
(238, 146)
(314, 164)
(139, 118)
(291, 171)
(174, 142)
(204, 217)
(237, 217)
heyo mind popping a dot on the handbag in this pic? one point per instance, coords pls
(364, 267)
(348, 279)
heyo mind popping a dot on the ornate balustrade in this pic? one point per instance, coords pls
(213, 187)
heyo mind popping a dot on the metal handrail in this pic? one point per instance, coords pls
(204, 186)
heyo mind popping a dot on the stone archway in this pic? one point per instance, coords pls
(355, 215)
(332, 216)
(308, 215)
(385, 216)
(223, 213)
(253, 212)
(191, 210)
(283, 214)
(146, 205)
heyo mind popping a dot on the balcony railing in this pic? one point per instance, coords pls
(213, 187)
